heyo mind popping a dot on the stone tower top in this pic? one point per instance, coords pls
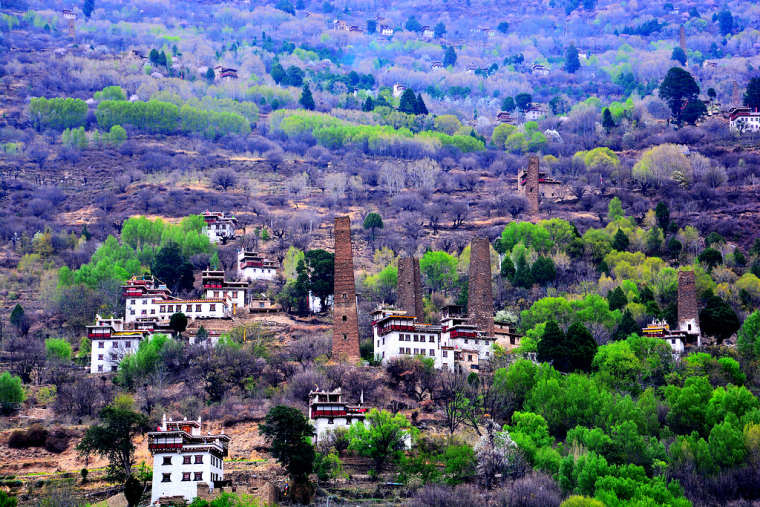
(345, 343)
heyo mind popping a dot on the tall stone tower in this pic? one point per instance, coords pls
(682, 38)
(736, 95)
(531, 184)
(345, 344)
(688, 313)
(409, 287)
(480, 297)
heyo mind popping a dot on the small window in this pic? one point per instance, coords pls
(198, 459)
(101, 345)
(100, 367)
(100, 357)
(166, 477)
(167, 461)
(198, 476)
(432, 352)
(330, 421)
(185, 476)
(186, 460)
(197, 308)
(344, 318)
(444, 353)
(128, 345)
(212, 307)
(345, 336)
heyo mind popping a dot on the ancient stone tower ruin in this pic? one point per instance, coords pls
(530, 185)
(409, 287)
(480, 297)
(688, 313)
(682, 38)
(345, 344)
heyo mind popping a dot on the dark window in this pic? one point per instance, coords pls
(186, 460)
(166, 477)
(185, 476)
(167, 461)
(198, 476)
(198, 459)
(344, 318)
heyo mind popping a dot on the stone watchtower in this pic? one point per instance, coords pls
(688, 312)
(480, 297)
(409, 287)
(345, 343)
(530, 188)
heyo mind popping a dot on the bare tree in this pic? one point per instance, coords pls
(451, 397)
(224, 178)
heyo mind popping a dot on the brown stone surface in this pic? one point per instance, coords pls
(409, 287)
(531, 184)
(687, 296)
(480, 296)
(345, 344)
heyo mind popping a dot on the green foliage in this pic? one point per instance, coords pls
(112, 438)
(11, 392)
(572, 63)
(449, 57)
(752, 95)
(615, 209)
(459, 464)
(172, 268)
(570, 352)
(748, 337)
(111, 93)
(117, 135)
(289, 432)
(57, 349)
(372, 222)
(534, 236)
(306, 100)
(439, 269)
(382, 440)
(136, 367)
(726, 445)
(688, 405)
(678, 88)
(718, 319)
(57, 113)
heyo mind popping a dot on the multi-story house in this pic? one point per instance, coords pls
(148, 300)
(110, 343)
(219, 227)
(216, 287)
(254, 267)
(183, 459)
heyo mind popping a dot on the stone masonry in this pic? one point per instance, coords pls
(480, 297)
(688, 312)
(531, 184)
(409, 287)
(345, 344)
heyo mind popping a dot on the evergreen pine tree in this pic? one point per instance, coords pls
(523, 276)
(626, 327)
(421, 107)
(450, 57)
(607, 122)
(616, 299)
(408, 103)
(368, 105)
(551, 346)
(572, 62)
(620, 242)
(306, 100)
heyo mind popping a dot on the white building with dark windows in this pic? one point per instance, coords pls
(183, 459)
(743, 119)
(328, 411)
(110, 343)
(219, 227)
(455, 344)
(254, 267)
(216, 287)
(148, 300)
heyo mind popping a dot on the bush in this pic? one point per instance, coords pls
(535, 490)
(57, 349)
(11, 392)
(35, 436)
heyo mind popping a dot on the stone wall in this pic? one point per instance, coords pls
(409, 287)
(688, 311)
(345, 343)
(480, 296)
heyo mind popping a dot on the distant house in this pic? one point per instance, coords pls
(743, 119)
(386, 30)
(225, 73)
(488, 32)
(427, 32)
(582, 55)
(139, 55)
(539, 69)
(219, 227)
(505, 117)
(398, 90)
(355, 28)
(340, 25)
(536, 112)
(471, 69)
(709, 64)
(436, 65)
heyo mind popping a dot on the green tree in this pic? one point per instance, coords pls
(19, 320)
(523, 101)
(552, 344)
(523, 276)
(503, 27)
(718, 319)
(677, 89)
(572, 63)
(752, 95)
(382, 440)
(57, 349)
(277, 72)
(210, 75)
(11, 392)
(626, 327)
(306, 100)
(615, 209)
(112, 438)
(748, 337)
(408, 102)
(620, 242)
(439, 269)
(678, 55)
(710, 257)
(607, 121)
(88, 7)
(617, 299)
(170, 267)
(507, 268)
(725, 22)
(420, 107)
(320, 268)
(288, 432)
(662, 213)
(439, 30)
(508, 104)
(57, 113)
(285, 6)
(449, 57)
(178, 322)
(413, 25)
(543, 270)
(117, 135)
(727, 445)
(372, 222)
(368, 104)
(371, 26)
(459, 463)
(688, 405)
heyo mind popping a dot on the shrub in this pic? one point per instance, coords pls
(35, 436)
(11, 391)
